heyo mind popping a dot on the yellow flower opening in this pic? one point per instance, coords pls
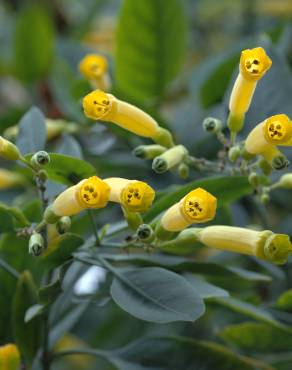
(133, 195)
(278, 129)
(98, 105)
(263, 139)
(9, 357)
(198, 206)
(93, 193)
(254, 63)
(90, 193)
(137, 196)
(93, 66)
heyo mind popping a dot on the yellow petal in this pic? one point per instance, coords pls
(241, 96)
(105, 107)
(9, 357)
(254, 63)
(278, 129)
(93, 66)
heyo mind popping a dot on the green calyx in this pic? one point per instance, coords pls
(235, 123)
(277, 248)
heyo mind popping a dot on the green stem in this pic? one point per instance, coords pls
(94, 228)
(9, 269)
(80, 351)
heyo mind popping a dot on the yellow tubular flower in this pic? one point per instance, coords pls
(8, 150)
(95, 69)
(89, 193)
(9, 357)
(262, 244)
(9, 179)
(198, 206)
(105, 107)
(133, 195)
(254, 63)
(264, 138)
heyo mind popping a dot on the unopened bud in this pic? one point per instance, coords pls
(212, 125)
(183, 171)
(254, 179)
(148, 151)
(40, 158)
(43, 175)
(234, 153)
(169, 159)
(63, 225)
(50, 217)
(286, 181)
(8, 150)
(265, 198)
(280, 162)
(145, 233)
(36, 244)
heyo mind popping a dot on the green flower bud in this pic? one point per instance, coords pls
(43, 175)
(265, 166)
(163, 138)
(254, 179)
(286, 181)
(234, 153)
(280, 162)
(40, 158)
(212, 125)
(148, 151)
(63, 225)
(50, 217)
(169, 159)
(133, 219)
(265, 198)
(145, 233)
(235, 123)
(184, 171)
(36, 244)
(8, 150)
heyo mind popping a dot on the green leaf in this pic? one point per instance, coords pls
(60, 250)
(27, 335)
(205, 289)
(33, 44)
(67, 91)
(14, 252)
(175, 263)
(49, 293)
(257, 337)
(33, 311)
(284, 301)
(32, 132)
(154, 294)
(225, 189)
(250, 310)
(173, 353)
(67, 170)
(9, 216)
(151, 42)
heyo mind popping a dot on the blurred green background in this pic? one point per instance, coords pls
(177, 60)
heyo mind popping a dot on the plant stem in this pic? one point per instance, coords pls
(9, 269)
(94, 229)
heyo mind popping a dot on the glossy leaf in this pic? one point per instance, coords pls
(68, 170)
(137, 291)
(150, 37)
(205, 289)
(32, 132)
(27, 335)
(60, 250)
(257, 337)
(33, 44)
